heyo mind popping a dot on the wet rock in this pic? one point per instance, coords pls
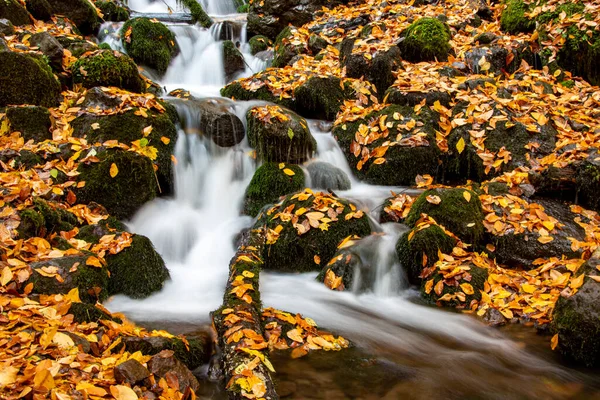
(576, 319)
(165, 363)
(81, 343)
(96, 98)
(18, 159)
(345, 264)
(6, 27)
(326, 176)
(485, 38)
(410, 98)
(77, 47)
(269, 183)
(33, 122)
(452, 293)
(285, 51)
(3, 45)
(259, 43)
(379, 70)
(44, 217)
(493, 317)
(131, 372)
(13, 11)
(233, 60)
(113, 11)
(108, 68)
(288, 140)
(40, 9)
(266, 55)
(27, 80)
(50, 47)
(321, 98)
(199, 352)
(316, 43)
(81, 12)
(426, 39)
(74, 273)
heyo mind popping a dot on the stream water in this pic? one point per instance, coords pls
(403, 349)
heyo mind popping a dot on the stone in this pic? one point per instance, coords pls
(50, 47)
(131, 372)
(165, 363)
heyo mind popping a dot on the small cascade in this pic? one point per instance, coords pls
(109, 33)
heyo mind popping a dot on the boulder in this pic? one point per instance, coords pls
(259, 43)
(233, 60)
(317, 224)
(13, 11)
(44, 218)
(513, 19)
(576, 318)
(76, 46)
(149, 42)
(136, 271)
(426, 39)
(322, 97)
(396, 159)
(122, 195)
(165, 363)
(27, 80)
(284, 50)
(84, 313)
(327, 176)
(6, 27)
(199, 16)
(74, 272)
(345, 264)
(269, 183)
(113, 11)
(131, 372)
(32, 121)
(81, 12)
(282, 137)
(98, 99)
(108, 68)
(50, 47)
(40, 9)
(458, 210)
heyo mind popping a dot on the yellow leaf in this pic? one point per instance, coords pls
(595, 278)
(554, 341)
(289, 172)
(43, 381)
(467, 196)
(8, 376)
(93, 262)
(281, 165)
(433, 199)
(507, 313)
(165, 140)
(527, 288)
(577, 282)
(7, 276)
(73, 296)
(460, 145)
(295, 335)
(428, 286)
(467, 288)
(545, 239)
(317, 259)
(121, 392)
(114, 170)
(147, 130)
(95, 126)
(248, 274)
(63, 341)
(548, 225)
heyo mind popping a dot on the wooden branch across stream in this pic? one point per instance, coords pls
(238, 325)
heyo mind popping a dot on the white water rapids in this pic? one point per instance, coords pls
(195, 233)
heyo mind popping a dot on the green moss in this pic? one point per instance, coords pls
(198, 354)
(137, 271)
(513, 19)
(85, 313)
(149, 43)
(198, 13)
(424, 243)
(123, 195)
(244, 8)
(426, 39)
(233, 60)
(113, 11)
(295, 253)
(39, 9)
(93, 233)
(235, 91)
(570, 84)
(284, 50)
(81, 12)
(580, 54)
(569, 8)
(26, 79)
(259, 43)
(33, 122)
(31, 223)
(108, 68)
(42, 215)
(461, 217)
(345, 264)
(321, 97)
(478, 277)
(269, 183)
(14, 12)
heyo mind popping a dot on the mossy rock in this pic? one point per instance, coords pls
(18, 159)
(127, 128)
(513, 19)
(345, 264)
(588, 184)
(475, 276)
(576, 319)
(269, 183)
(233, 60)
(93, 233)
(136, 271)
(112, 11)
(108, 68)
(133, 186)
(284, 50)
(40, 9)
(198, 14)
(33, 122)
(295, 253)
(81, 12)
(288, 141)
(322, 97)
(426, 39)
(13, 11)
(236, 91)
(199, 351)
(326, 176)
(84, 313)
(422, 243)
(580, 54)
(76, 46)
(461, 217)
(91, 281)
(402, 163)
(259, 43)
(149, 43)
(44, 218)
(27, 80)
(379, 69)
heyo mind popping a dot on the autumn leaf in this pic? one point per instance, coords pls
(433, 199)
(460, 145)
(289, 172)
(114, 170)
(121, 392)
(7, 276)
(467, 196)
(554, 341)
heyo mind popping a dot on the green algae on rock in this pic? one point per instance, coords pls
(108, 68)
(426, 39)
(149, 42)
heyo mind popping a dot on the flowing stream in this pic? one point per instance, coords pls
(404, 349)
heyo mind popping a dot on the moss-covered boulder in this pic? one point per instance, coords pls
(6, 28)
(197, 354)
(81, 12)
(108, 68)
(76, 46)
(397, 154)
(13, 11)
(156, 131)
(419, 248)
(576, 319)
(233, 60)
(84, 313)
(426, 39)
(61, 275)
(269, 183)
(513, 19)
(279, 135)
(149, 42)
(459, 290)
(50, 47)
(458, 210)
(33, 122)
(322, 97)
(198, 14)
(307, 227)
(40, 9)
(137, 271)
(259, 43)
(284, 49)
(122, 195)
(44, 218)
(580, 54)
(113, 11)
(236, 91)
(27, 80)
(340, 272)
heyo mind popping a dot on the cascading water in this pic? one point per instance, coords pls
(446, 355)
